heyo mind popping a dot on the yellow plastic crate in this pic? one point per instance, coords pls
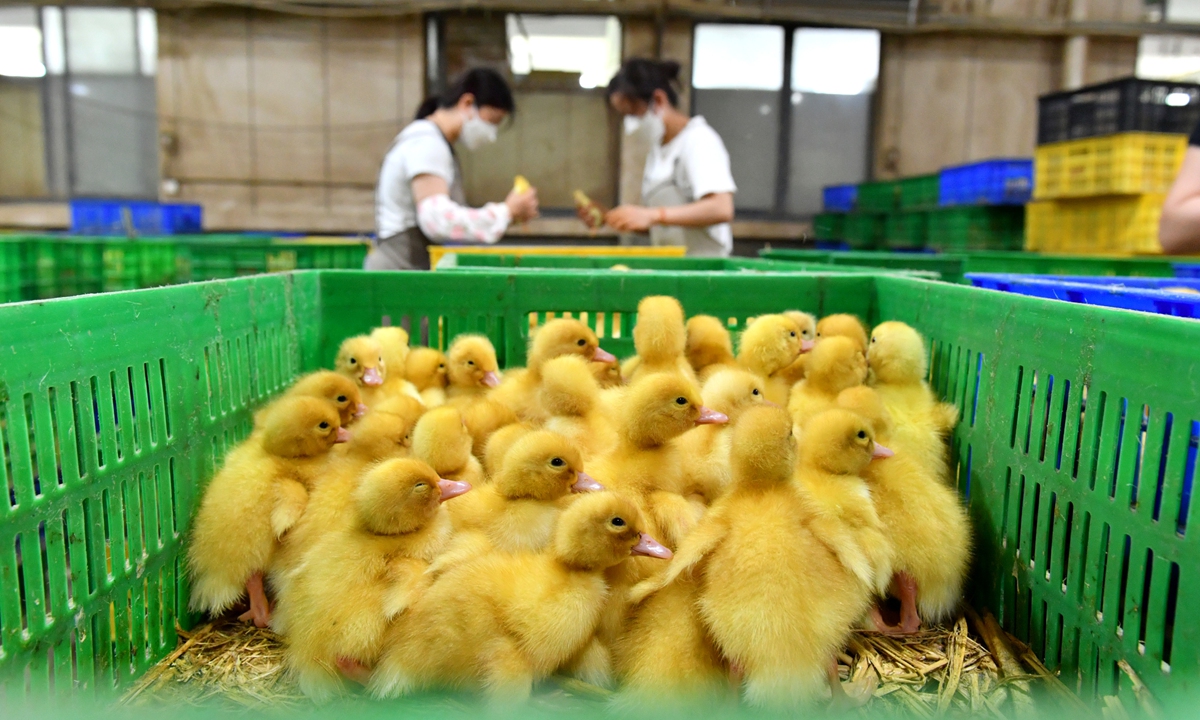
(1113, 225)
(437, 252)
(1122, 164)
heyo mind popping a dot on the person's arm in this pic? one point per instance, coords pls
(712, 209)
(441, 218)
(1179, 230)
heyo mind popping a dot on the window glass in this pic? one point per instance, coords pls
(147, 39)
(101, 41)
(737, 57)
(20, 43)
(52, 30)
(583, 44)
(835, 61)
(1169, 57)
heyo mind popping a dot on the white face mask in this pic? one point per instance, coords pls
(477, 132)
(649, 125)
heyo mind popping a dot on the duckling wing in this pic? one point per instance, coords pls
(701, 541)
(291, 498)
(408, 581)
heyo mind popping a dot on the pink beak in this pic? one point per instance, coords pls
(602, 355)
(372, 377)
(490, 379)
(649, 547)
(807, 345)
(882, 452)
(708, 416)
(360, 410)
(585, 483)
(343, 435)
(768, 403)
(452, 488)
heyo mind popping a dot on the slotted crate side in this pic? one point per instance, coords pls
(115, 409)
(881, 196)
(1074, 437)
(1124, 105)
(906, 230)
(1116, 224)
(828, 226)
(920, 192)
(1123, 164)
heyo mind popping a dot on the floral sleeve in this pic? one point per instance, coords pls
(442, 219)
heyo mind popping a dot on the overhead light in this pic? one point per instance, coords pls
(1178, 99)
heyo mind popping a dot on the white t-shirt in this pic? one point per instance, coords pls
(697, 164)
(419, 149)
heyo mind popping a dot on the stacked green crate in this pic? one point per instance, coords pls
(908, 227)
(864, 228)
(79, 266)
(10, 269)
(829, 226)
(140, 263)
(863, 231)
(39, 279)
(977, 227)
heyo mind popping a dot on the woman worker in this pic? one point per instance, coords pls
(1179, 228)
(687, 186)
(419, 199)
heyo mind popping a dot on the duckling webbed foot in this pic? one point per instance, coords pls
(905, 588)
(260, 607)
(353, 670)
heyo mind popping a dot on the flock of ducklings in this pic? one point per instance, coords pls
(690, 523)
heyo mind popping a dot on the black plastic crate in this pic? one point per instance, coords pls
(1127, 105)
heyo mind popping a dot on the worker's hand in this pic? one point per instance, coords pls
(631, 218)
(522, 206)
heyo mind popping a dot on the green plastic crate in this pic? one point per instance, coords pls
(919, 193)
(1074, 448)
(906, 230)
(11, 263)
(863, 231)
(79, 266)
(882, 196)
(137, 263)
(977, 227)
(828, 226)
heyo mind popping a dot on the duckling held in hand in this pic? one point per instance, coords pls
(359, 578)
(426, 369)
(843, 325)
(260, 492)
(834, 365)
(927, 525)
(393, 344)
(709, 346)
(794, 373)
(562, 336)
(518, 509)
(333, 387)
(660, 338)
(361, 359)
(570, 398)
(769, 346)
(471, 368)
(442, 440)
(705, 450)
(503, 622)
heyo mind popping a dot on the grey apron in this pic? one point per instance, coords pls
(409, 249)
(697, 240)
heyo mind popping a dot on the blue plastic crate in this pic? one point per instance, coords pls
(1186, 270)
(134, 217)
(1152, 295)
(992, 182)
(840, 198)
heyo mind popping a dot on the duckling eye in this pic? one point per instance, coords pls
(862, 434)
(470, 362)
(324, 425)
(420, 486)
(793, 334)
(441, 366)
(557, 462)
(681, 401)
(872, 340)
(755, 391)
(618, 522)
(353, 361)
(581, 342)
(341, 398)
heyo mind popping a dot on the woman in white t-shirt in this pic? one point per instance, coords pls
(419, 199)
(687, 186)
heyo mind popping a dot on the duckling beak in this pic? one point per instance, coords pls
(708, 416)
(649, 547)
(882, 452)
(602, 355)
(807, 345)
(343, 435)
(360, 410)
(585, 483)
(452, 488)
(768, 403)
(372, 377)
(490, 379)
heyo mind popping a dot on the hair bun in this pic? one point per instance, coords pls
(670, 70)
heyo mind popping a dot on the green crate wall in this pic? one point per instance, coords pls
(11, 264)
(1081, 546)
(977, 227)
(906, 230)
(919, 193)
(862, 230)
(829, 226)
(882, 196)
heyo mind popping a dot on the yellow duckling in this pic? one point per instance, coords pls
(834, 365)
(393, 342)
(794, 373)
(705, 449)
(768, 347)
(333, 387)
(426, 370)
(843, 325)
(442, 440)
(709, 346)
(471, 369)
(361, 359)
(570, 398)
(660, 338)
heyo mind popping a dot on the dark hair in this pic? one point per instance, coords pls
(487, 85)
(640, 77)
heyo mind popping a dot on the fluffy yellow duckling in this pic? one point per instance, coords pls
(562, 336)
(393, 343)
(807, 323)
(660, 338)
(498, 446)
(709, 346)
(426, 370)
(570, 398)
(898, 368)
(518, 509)
(361, 359)
(768, 347)
(502, 622)
(442, 440)
(608, 375)
(834, 365)
(357, 579)
(483, 418)
(327, 385)
(843, 325)
(471, 368)
(928, 527)
(705, 450)
(258, 495)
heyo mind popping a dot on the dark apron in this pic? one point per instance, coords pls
(409, 249)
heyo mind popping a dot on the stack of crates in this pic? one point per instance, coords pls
(837, 201)
(908, 227)
(1106, 157)
(982, 205)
